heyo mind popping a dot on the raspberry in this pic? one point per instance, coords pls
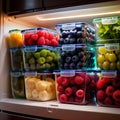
(27, 35)
(108, 101)
(34, 36)
(68, 91)
(47, 42)
(72, 82)
(82, 74)
(109, 90)
(80, 93)
(51, 36)
(74, 89)
(116, 82)
(65, 81)
(63, 98)
(40, 33)
(60, 89)
(26, 42)
(100, 84)
(54, 42)
(41, 41)
(46, 34)
(117, 103)
(116, 95)
(79, 80)
(100, 95)
(87, 79)
(59, 80)
(71, 99)
(57, 37)
(106, 80)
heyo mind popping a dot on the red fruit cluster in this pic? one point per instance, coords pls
(108, 91)
(73, 89)
(40, 37)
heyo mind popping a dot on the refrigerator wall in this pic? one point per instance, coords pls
(51, 109)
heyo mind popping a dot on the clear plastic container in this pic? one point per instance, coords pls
(40, 86)
(108, 89)
(41, 58)
(77, 57)
(74, 87)
(18, 84)
(108, 56)
(107, 29)
(76, 33)
(40, 36)
(15, 38)
(16, 56)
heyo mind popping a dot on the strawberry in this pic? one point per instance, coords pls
(116, 95)
(109, 90)
(100, 84)
(100, 95)
(41, 41)
(80, 93)
(68, 91)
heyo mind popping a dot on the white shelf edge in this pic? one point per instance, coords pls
(54, 109)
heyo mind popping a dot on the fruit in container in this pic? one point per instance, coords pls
(76, 33)
(15, 38)
(74, 86)
(41, 58)
(40, 36)
(108, 56)
(77, 57)
(40, 87)
(108, 89)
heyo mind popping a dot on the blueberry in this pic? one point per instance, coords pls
(79, 40)
(66, 41)
(73, 52)
(61, 41)
(72, 40)
(79, 34)
(73, 33)
(79, 65)
(66, 66)
(68, 59)
(64, 34)
(63, 54)
(80, 55)
(72, 66)
(75, 58)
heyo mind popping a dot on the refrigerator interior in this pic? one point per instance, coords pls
(51, 109)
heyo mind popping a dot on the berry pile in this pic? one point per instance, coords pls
(108, 91)
(79, 58)
(40, 37)
(78, 33)
(76, 89)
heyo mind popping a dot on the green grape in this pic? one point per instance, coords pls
(100, 58)
(113, 66)
(100, 65)
(106, 65)
(102, 50)
(107, 56)
(112, 57)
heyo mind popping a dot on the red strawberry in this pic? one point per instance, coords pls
(59, 80)
(109, 90)
(51, 36)
(116, 95)
(63, 98)
(79, 80)
(41, 41)
(34, 37)
(60, 88)
(68, 91)
(80, 93)
(100, 95)
(108, 101)
(100, 84)
(54, 42)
